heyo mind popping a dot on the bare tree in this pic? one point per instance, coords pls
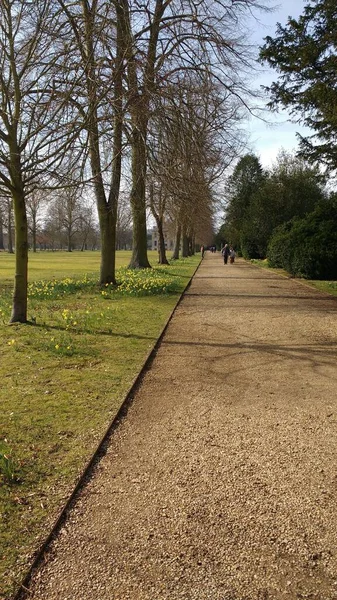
(99, 51)
(87, 225)
(193, 137)
(159, 39)
(157, 202)
(65, 215)
(32, 117)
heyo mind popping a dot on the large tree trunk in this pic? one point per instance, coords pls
(184, 251)
(112, 206)
(107, 209)
(19, 308)
(108, 243)
(139, 91)
(139, 258)
(176, 251)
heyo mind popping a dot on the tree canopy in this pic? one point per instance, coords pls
(259, 201)
(82, 84)
(304, 54)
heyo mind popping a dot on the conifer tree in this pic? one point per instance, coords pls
(304, 52)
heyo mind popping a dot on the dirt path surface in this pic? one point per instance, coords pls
(221, 482)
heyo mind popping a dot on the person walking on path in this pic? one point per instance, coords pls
(231, 255)
(225, 252)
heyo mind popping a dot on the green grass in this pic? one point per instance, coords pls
(63, 379)
(329, 287)
(47, 265)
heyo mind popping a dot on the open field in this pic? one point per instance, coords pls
(63, 378)
(46, 265)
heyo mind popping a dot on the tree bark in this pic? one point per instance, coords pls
(19, 308)
(184, 252)
(161, 242)
(9, 229)
(139, 103)
(139, 258)
(176, 251)
(107, 211)
(108, 243)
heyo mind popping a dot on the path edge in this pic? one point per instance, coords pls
(301, 281)
(23, 591)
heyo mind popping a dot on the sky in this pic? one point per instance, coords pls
(266, 140)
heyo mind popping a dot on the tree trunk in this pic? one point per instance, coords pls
(108, 242)
(112, 206)
(69, 248)
(176, 251)
(139, 104)
(184, 252)
(107, 213)
(139, 258)
(193, 244)
(161, 242)
(19, 308)
(10, 230)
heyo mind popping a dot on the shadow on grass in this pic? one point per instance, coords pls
(79, 331)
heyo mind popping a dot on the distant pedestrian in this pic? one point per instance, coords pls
(231, 254)
(202, 250)
(225, 252)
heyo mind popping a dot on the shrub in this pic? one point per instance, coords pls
(307, 247)
(279, 249)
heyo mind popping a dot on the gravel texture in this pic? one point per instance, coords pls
(221, 481)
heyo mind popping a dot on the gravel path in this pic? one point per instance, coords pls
(221, 482)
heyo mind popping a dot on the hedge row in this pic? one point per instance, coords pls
(307, 247)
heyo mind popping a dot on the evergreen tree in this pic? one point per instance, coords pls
(291, 189)
(246, 179)
(304, 53)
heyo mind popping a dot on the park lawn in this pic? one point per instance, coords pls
(47, 264)
(64, 377)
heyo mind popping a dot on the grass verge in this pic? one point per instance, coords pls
(64, 378)
(328, 287)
